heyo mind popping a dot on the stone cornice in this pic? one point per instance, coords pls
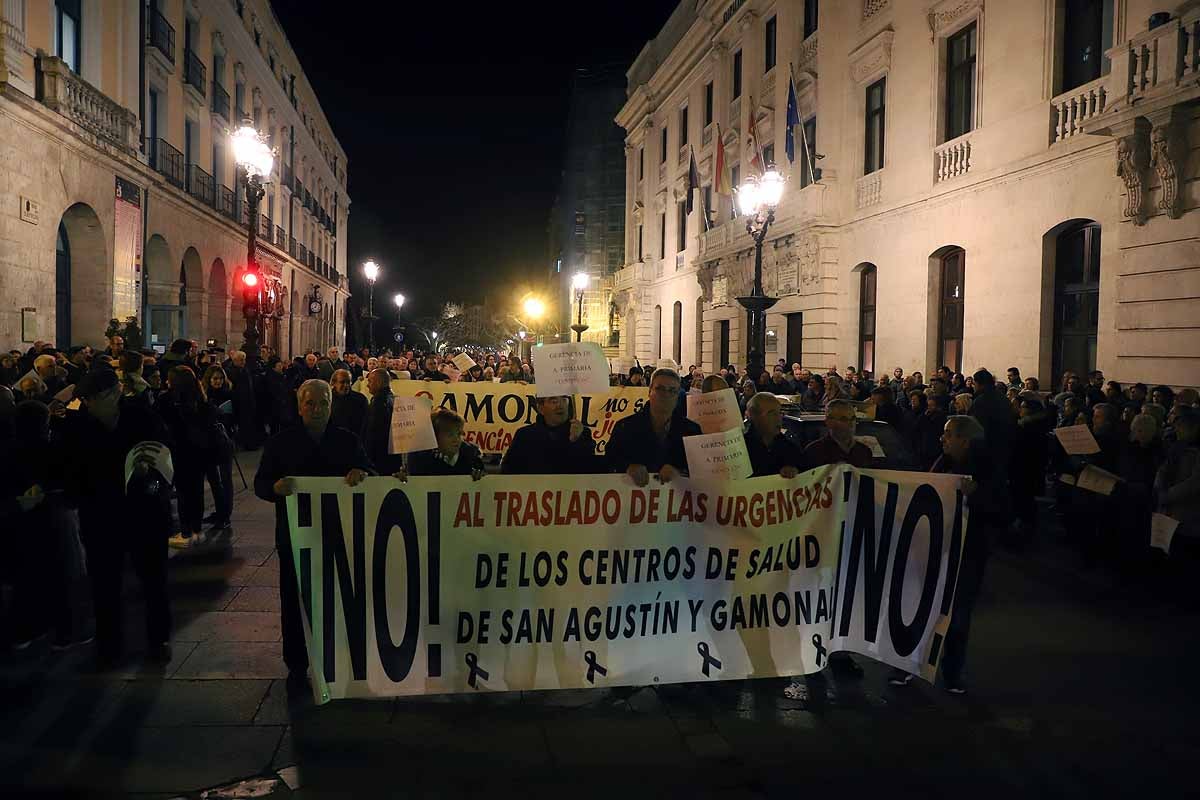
(943, 15)
(873, 57)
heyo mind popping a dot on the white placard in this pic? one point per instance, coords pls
(412, 426)
(716, 411)
(570, 368)
(718, 456)
(1097, 480)
(873, 444)
(1162, 531)
(1077, 440)
(463, 361)
(157, 453)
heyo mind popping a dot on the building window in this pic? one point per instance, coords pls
(682, 228)
(737, 74)
(1076, 300)
(239, 101)
(641, 163)
(683, 126)
(67, 26)
(950, 316)
(152, 127)
(873, 146)
(189, 141)
(1087, 32)
(960, 82)
(662, 158)
(657, 332)
(677, 332)
(769, 53)
(866, 319)
(735, 177)
(218, 164)
(722, 344)
(640, 231)
(810, 146)
(810, 18)
(768, 156)
(708, 104)
(662, 235)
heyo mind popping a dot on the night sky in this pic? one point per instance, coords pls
(452, 116)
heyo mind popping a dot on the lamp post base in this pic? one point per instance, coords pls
(579, 328)
(756, 342)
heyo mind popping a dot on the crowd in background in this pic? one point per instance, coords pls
(80, 491)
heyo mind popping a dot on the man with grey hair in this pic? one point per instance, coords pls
(349, 407)
(314, 448)
(652, 439)
(839, 446)
(771, 453)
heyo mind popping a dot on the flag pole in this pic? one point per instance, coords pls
(803, 136)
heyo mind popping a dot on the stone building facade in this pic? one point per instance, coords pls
(120, 195)
(1000, 184)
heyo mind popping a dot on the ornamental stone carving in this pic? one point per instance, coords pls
(1167, 156)
(873, 57)
(947, 12)
(1132, 160)
(705, 275)
(873, 7)
(809, 256)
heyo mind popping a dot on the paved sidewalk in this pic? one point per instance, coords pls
(1081, 687)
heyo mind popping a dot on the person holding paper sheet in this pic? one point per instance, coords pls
(771, 453)
(652, 439)
(314, 448)
(453, 455)
(554, 444)
(1177, 484)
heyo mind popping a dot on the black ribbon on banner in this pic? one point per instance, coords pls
(590, 658)
(816, 640)
(476, 670)
(702, 649)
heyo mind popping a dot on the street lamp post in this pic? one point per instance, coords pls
(757, 198)
(579, 282)
(397, 333)
(256, 159)
(371, 273)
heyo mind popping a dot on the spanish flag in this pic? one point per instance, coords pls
(720, 170)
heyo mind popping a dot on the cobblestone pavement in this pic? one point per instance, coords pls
(1082, 685)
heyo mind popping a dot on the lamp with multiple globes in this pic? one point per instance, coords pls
(254, 156)
(371, 273)
(757, 199)
(579, 282)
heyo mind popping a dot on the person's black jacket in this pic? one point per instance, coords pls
(349, 411)
(194, 431)
(633, 442)
(293, 453)
(769, 459)
(244, 406)
(539, 449)
(376, 434)
(889, 413)
(999, 422)
(218, 397)
(990, 498)
(927, 437)
(427, 462)
(1139, 466)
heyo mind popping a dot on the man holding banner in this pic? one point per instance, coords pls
(312, 449)
(652, 439)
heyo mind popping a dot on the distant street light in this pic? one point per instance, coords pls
(757, 199)
(579, 282)
(399, 301)
(534, 308)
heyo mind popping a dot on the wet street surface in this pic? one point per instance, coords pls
(1082, 684)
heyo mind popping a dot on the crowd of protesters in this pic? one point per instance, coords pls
(85, 489)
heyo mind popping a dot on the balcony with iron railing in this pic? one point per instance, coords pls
(285, 175)
(62, 91)
(265, 227)
(227, 205)
(280, 237)
(293, 247)
(301, 253)
(160, 35)
(200, 185)
(193, 71)
(220, 101)
(168, 162)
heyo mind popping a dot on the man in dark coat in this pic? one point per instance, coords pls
(555, 444)
(377, 429)
(771, 453)
(839, 446)
(313, 448)
(245, 401)
(995, 414)
(349, 407)
(119, 516)
(652, 439)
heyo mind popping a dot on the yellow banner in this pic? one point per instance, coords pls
(545, 582)
(495, 411)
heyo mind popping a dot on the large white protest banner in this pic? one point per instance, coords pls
(717, 456)
(716, 411)
(534, 582)
(494, 411)
(412, 425)
(570, 368)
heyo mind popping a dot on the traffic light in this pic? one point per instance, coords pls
(251, 292)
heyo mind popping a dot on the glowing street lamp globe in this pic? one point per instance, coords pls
(534, 308)
(371, 271)
(757, 195)
(579, 281)
(252, 152)
(398, 299)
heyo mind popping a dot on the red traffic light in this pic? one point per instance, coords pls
(250, 280)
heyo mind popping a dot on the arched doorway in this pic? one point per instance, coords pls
(1076, 299)
(164, 288)
(218, 304)
(191, 294)
(82, 279)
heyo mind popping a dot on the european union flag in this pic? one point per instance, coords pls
(793, 119)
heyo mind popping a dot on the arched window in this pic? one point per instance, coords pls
(677, 333)
(951, 309)
(1076, 299)
(866, 318)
